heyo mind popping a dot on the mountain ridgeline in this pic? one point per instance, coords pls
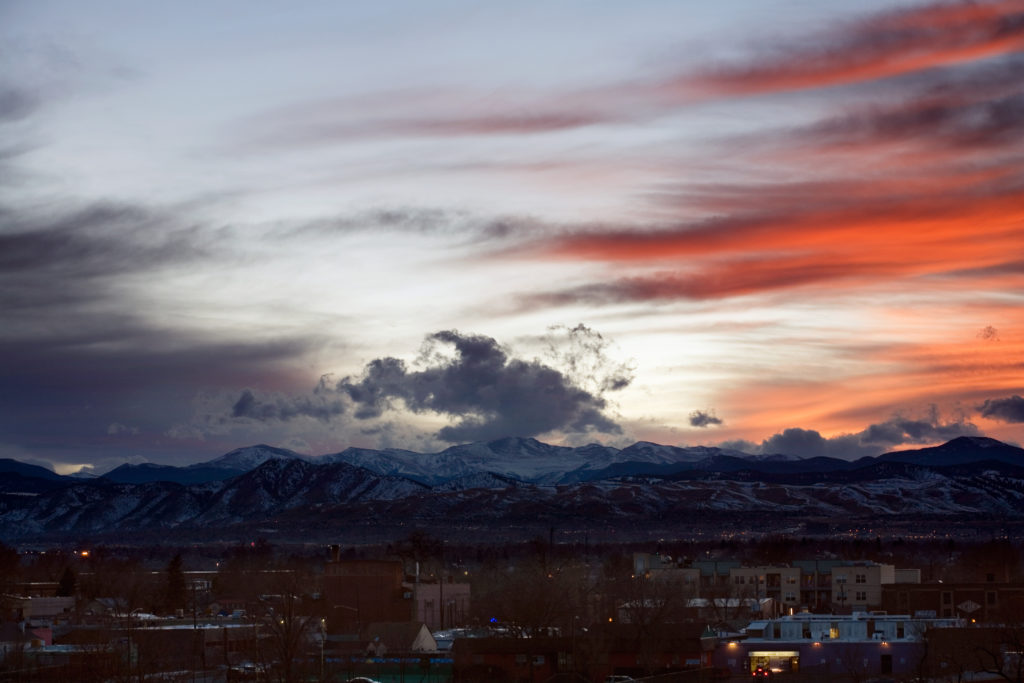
(513, 487)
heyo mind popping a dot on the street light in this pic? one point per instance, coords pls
(323, 638)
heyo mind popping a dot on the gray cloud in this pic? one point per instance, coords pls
(901, 430)
(284, 408)
(702, 418)
(874, 440)
(489, 394)
(1009, 409)
(16, 103)
(65, 258)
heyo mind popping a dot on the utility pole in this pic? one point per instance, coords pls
(195, 631)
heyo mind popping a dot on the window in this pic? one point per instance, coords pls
(538, 660)
(840, 578)
(860, 578)
(900, 631)
(947, 598)
(790, 580)
(790, 597)
(521, 660)
(990, 598)
(861, 596)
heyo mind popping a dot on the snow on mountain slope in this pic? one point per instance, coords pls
(525, 459)
(250, 457)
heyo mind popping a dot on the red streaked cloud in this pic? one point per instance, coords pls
(886, 45)
(832, 232)
(906, 42)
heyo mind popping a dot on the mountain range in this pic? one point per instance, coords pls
(510, 486)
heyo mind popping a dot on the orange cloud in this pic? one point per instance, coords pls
(804, 233)
(958, 375)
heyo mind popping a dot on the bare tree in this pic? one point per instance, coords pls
(287, 637)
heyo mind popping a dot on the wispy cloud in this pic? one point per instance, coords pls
(875, 191)
(892, 43)
(884, 45)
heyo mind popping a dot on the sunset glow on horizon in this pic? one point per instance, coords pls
(780, 227)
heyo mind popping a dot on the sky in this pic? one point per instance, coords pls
(774, 225)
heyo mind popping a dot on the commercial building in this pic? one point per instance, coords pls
(831, 645)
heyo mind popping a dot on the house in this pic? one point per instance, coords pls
(403, 637)
(443, 603)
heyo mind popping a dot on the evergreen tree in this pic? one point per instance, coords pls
(9, 567)
(66, 586)
(175, 583)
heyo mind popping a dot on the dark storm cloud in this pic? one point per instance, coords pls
(875, 439)
(83, 370)
(490, 394)
(1009, 409)
(127, 367)
(702, 418)
(285, 408)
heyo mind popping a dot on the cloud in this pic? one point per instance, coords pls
(66, 257)
(922, 184)
(989, 333)
(584, 355)
(883, 45)
(16, 103)
(873, 440)
(901, 430)
(1009, 409)
(702, 418)
(490, 394)
(275, 407)
(115, 428)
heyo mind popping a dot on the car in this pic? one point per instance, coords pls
(761, 672)
(618, 679)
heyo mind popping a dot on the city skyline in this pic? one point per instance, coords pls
(782, 227)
